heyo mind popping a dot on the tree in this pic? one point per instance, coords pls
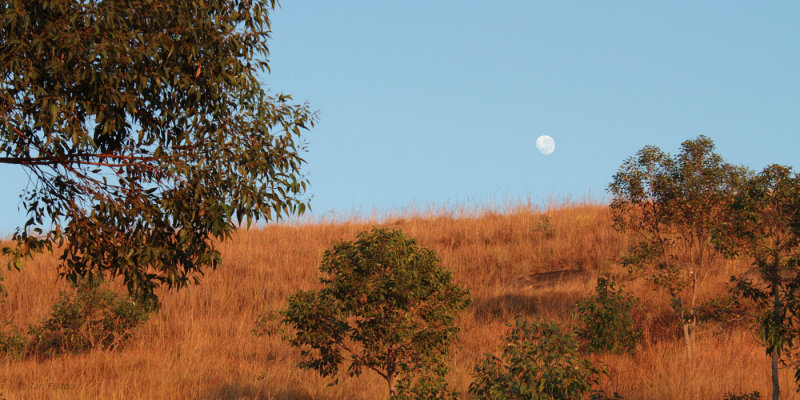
(764, 225)
(539, 361)
(145, 133)
(672, 204)
(386, 305)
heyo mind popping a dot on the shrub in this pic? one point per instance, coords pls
(3, 293)
(544, 227)
(386, 305)
(12, 343)
(539, 361)
(89, 318)
(607, 325)
(601, 395)
(424, 387)
(747, 396)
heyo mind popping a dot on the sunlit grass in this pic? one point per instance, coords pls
(200, 345)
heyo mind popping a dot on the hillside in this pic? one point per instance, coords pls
(200, 344)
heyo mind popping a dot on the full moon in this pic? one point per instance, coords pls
(545, 144)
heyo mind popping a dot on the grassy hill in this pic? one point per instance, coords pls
(200, 344)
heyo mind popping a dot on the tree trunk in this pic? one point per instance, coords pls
(690, 321)
(693, 334)
(776, 390)
(688, 339)
(693, 317)
(390, 381)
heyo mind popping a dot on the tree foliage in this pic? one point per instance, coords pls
(765, 225)
(386, 305)
(539, 362)
(607, 324)
(673, 204)
(145, 133)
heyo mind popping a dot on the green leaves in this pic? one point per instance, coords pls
(673, 205)
(607, 325)
(91, 317)
(539, 361)
(765, 216)
(144, 128)
(386, 305)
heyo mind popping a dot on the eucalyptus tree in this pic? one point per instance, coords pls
(671, 205)
(145, 133)
(765, 226)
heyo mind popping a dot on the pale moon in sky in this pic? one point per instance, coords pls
(545, 144)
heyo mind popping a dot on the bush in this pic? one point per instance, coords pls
(539, 361)
(89, 318)
(386, 305)
(747, 396)
(607, 325)
(3, 293)
(424, 387)
(12, 343)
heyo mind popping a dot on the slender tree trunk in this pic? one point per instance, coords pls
(390, 381)
(693, 317)
(690, 320)
(693, 334)
(688, 340)
(776, 390)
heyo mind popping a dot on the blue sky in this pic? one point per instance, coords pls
(440, 102)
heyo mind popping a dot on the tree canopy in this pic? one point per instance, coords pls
(145, 132)
(386, 305)
(765, 225)
(673, 205)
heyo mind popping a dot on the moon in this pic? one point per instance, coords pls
(545, 144)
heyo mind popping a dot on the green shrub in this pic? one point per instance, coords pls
(539, 362)
(423, 387)
(601, 395)
(606, 322)
(89, 318)
(544, 227)
(3, 293)
(12, 343)
(747, 396)
(386, 305)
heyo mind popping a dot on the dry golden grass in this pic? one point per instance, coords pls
(200, 345)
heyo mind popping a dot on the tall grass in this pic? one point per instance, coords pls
(200, 344)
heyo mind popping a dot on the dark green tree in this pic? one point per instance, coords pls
(145, 133)
(386, 305)
(672, 205)
(764, 225)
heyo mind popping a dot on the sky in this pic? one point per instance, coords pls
(439, 103)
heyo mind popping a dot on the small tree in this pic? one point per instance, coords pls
(539, 362)
(606, 319)
(672, 205)
(386, 305)
(764, 225)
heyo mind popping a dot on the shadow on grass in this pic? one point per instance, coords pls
(506, 306)
(238, 391)
(243, 391)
